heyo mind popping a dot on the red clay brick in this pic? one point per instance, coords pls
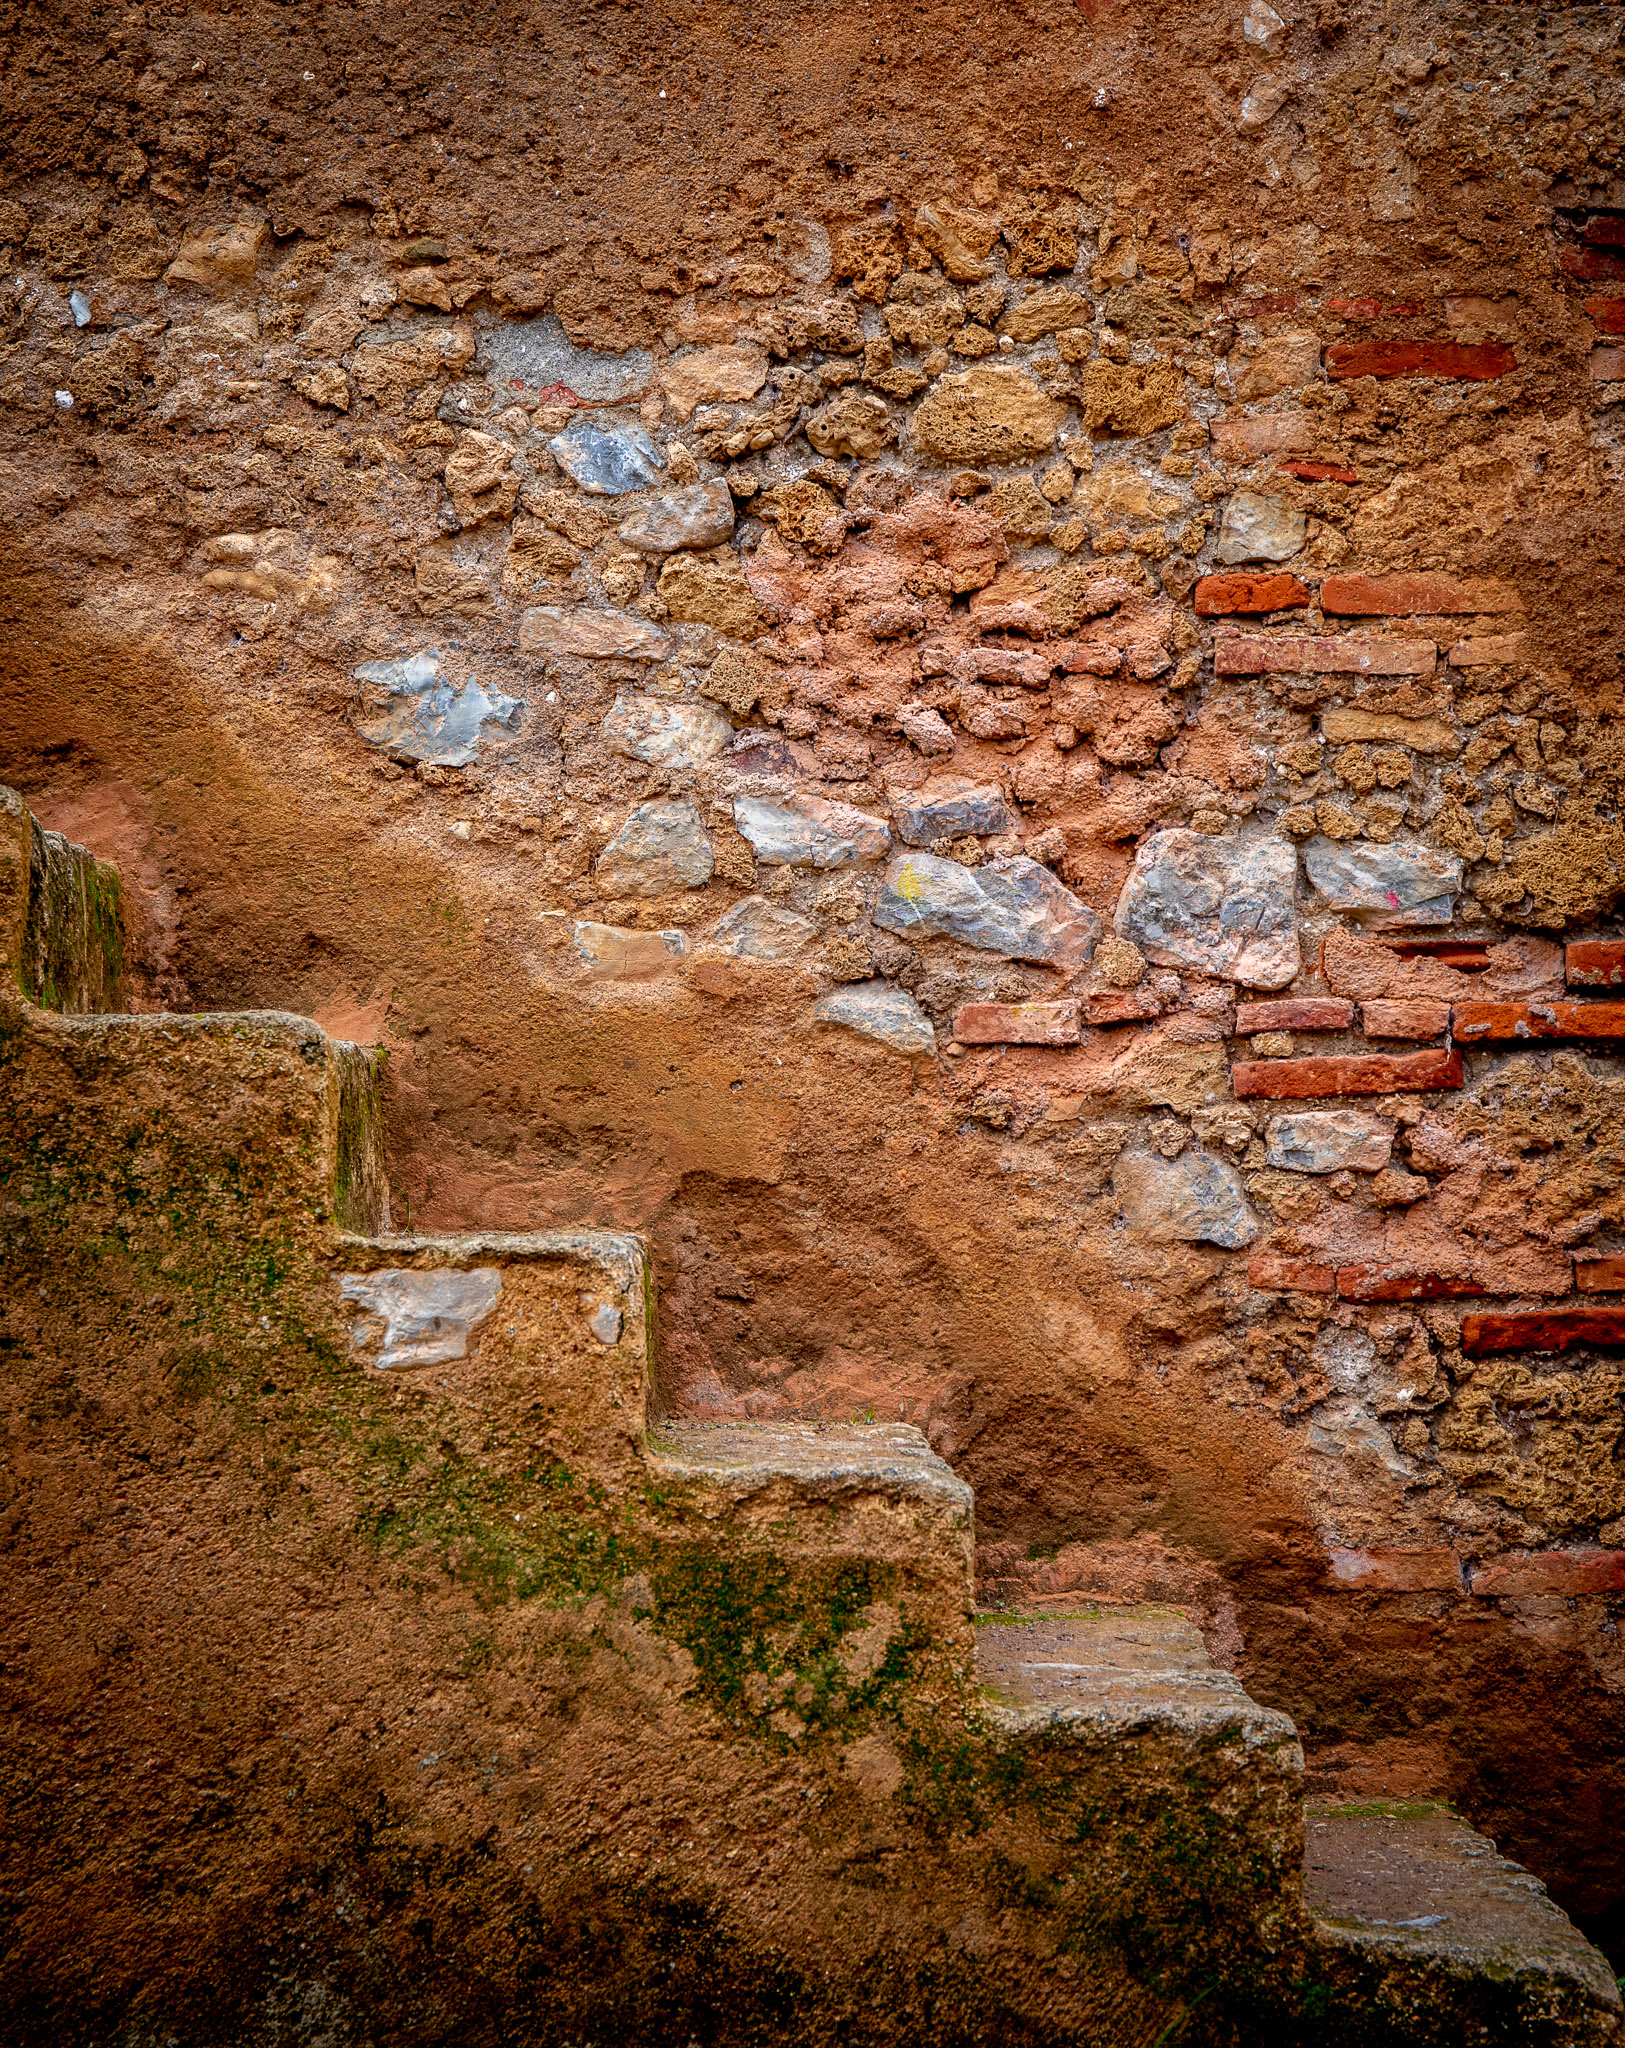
(1376, 654)
(1295, 1013)
(1278, 592)
(1120, 1006)
(1290, 1276)
(1259, 305)
(1263, 433)
(1373, 309)
(1565, 1574)
(1608, 313)
(1319, 472)
(1417, 1019)
(1608, 365)
(1397, 1571)
(1488, 650)
(1606, 230)
(1550, 1329)
(1377, 1280)
(1602, 1274)
(1592, 266)
(1509, 1023)
(1331, 1074)
(1471, 361)
(1594, 963)
(1379, 596)
(1016, 1024)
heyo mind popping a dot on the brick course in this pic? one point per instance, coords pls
(1486, 1334)
(1502, 1023)
(1017, 1024)
(1289, 1275)
(1249, 654)
(1295, 1013)
(1396, 1571)
(1608, 313)
(1415, 1019)
(1594, 963)
(1475, 361)
(1373, 596)
(1351, 1074)
(1567, 1574)
(1601, 1275)
(1277, 592)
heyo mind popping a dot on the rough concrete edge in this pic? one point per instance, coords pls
(1582, 1972)
(1260, 1728)
(936, 1483)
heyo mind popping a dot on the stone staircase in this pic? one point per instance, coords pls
(1101, 1830)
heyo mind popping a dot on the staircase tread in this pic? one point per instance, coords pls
(1414, 1880)
(1119, 1667)
(821, 1457)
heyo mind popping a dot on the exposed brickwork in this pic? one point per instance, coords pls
(1378, 1281)
(1295, 1013)
(1475, 362)
(1294, 1276)
(1603, 1275)
(1370, 596)
(1502, 1023)
(1592, 266)
(1594, 963)
(1483, 1335)
(1488, 650)
(1112, 1006)
(1385, 1019)
(1351, 1074)
(1396, 1571)
(1217, 595)
(1319, 472)
(1247, 654)
(1609, 313)
(1373, 309)
(1559, 1574)
(1608, 365)
(1017, 1023)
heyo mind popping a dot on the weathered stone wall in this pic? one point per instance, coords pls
(967, 667)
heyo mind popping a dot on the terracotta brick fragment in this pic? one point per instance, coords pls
(1563, 1574)
(1016, 1024)
(1319, 472)
(1299, 1013)
(1384, 596)
(1419, 1019)
(1385, 654)
(1351, 1074)
(1120, 1006)
(1373, 309)
(1378, 1280)
(1474, 361)
(1591, 266)
(1553, 1329)
(1594, 963)
(1602, 1274)
(1278, 592)
(1608, 365)
(1290, 1276)
(1509, 1023)
(1273, 433)
(1397, 1571)
(1489, 650)
(1605, 230)
(1608, 313)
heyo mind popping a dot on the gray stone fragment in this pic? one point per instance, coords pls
(1014, 907)
(1328, 1140)
(948, 807)
(1259, 529)
(878, 1010)
(419, 1318)
(1225, 906)
(1194, 1199)
(1394, 884)
(758, 930)
(420, 716)
(801, 831)
(606, 461)
(539, 354)
(661, 847)
(696, 516)
(667, 734)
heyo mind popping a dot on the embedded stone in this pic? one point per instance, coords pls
(1225, 906)
(853, 423)
(878, 1010)
(1194, 1199)
(696, 516)
(538, 353)
(1017, 1024)
(726, 375)
(423, 717)
(590, 634)
(662, 847)
(988, 414)
(607, 461)
(667, 734)
(1015, 907)
(1390, 885)
(926, 730)
(949, 807)
(758, 930)
(1330, 1140)
(419, 1318)
(802, 831)
(612, 954)
(1259, 529)
(1270, 433)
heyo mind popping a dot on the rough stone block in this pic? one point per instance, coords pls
(694, 516)
(1554, 1329)
(948, 807)
(1017, 1024)
(606, 462)
(801, 831)
(1267, 1270)
(422, 716)
(1343, 723)
(1271, 433)
(667, 734)
(610, 953)
(1371, 596)
(1553, 1574)
(1504, 1023)
(593, 635)
(755, 929)
(1354, 1074)
(1256, 528)
(1294, 1013)
(1600, 1275)
(1225, 906)
(1194, 1199)
(1607, 365)
(1249, 654)
(662, 847)
(1015, 907)
(1329, 1141)
(1391, 885)
(1422, 1019)
(1475, 362)
(1594, 963)
(1396, 1571)
(875, 1009)
(1275, 591)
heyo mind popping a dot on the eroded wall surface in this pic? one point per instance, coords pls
(963, 663)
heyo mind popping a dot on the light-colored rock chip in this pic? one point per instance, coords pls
(878, 1010)
(1194, 1199)
(1014, 907)
(758, 930)
(610, 953)
(1224, 906)
(661, 848)
(588, 633)
(1395, 884)
(1256, 528)
(948, 807)
(696, 516)
(1328, 1140)
(666, 734)
(419, 1318)
(801, 831)
(726, 375)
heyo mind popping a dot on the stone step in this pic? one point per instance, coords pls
(1421, 1920)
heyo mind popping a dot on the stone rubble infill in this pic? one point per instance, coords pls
(1015, 907)
(948, 808)
(1194, 1199)
(1397, 884)
(817, 1460)
(666, 734)
(1223, 906)
(589, 633)
(607, 462)
(803, 831)
(661, 848)
(424, 717)
(877, 1009)
(1503, 1023)
(695, 516)
(1256, 528)
(1330, 1141)
(1407, 1888)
